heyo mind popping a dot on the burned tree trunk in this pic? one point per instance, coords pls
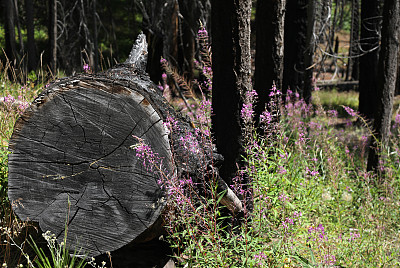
(72, 164)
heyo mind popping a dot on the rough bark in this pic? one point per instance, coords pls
(72, 163)
(270, 19)
(352, 63)
(18, 24)
(53, 35)
(387, 71)
(295, 45)
(397, 91)
(309, 55)
(230, 22)
(369, 38)
(95, 37)
(30, 30)
(9, 30)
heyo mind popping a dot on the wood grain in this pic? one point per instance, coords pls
(75, 146)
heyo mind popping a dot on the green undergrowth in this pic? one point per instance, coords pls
(333, 100)
(315, 202)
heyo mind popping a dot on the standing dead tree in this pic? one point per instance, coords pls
(171, 28)
(387, 71)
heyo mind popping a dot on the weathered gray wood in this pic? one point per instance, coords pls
(74, 144)
(340, 85)
(71, 162)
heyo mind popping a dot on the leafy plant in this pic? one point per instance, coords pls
(60, 255)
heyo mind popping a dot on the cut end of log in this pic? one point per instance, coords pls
(72, 163)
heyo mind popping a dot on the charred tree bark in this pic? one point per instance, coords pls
(72, 163)
(95, 37)
(9, 25)
(30, 29)
(309, 55)
(295, 45)
(230, 22)
(387, 70)
(270, 19)
(397, 91)
(53, 36)
(352, 63)
(369, 38)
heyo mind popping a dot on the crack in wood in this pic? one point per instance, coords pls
(120, 204)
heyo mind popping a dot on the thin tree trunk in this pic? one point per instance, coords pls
(295, 45)
(387, 69)
(370, 32)
(230, 22)
(30, 29)
(95, 44)
(333, 27)
(270, 18)
(11, 50)
(309, 55)
(53, 36)
(397, 91)
(21, 42)
(188, 22)
(354, 36)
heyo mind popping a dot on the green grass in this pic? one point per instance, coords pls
(333, 100)
(323, 177)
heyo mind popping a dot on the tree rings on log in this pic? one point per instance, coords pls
(72, 165)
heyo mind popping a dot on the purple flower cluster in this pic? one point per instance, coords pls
(354, 236)
(190, 143)
(247, 112)
(86, 68)
(274, 91)
(11, 104)
(144, 152)
(317, 233)
(202, 33)
(312, 173)
(283, 197)
(260, 258)
(350, 111)
(288, 222)
(329, 260)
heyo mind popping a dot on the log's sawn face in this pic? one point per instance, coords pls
(73, 145)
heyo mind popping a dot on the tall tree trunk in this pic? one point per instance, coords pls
(230, 22)
(370, 32)
(387, 69)
(30, 29)
(397, 91)
(96, 48)
(21, 42)
(354, 37)
(53, 36)
(309, 55)
(188, 26)
(295, 44)
(332, 29)
(270, 18)
(11, 49)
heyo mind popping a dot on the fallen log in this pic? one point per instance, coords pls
(339, 85)
(71, 163)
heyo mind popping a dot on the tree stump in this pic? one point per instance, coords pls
(71, 164)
